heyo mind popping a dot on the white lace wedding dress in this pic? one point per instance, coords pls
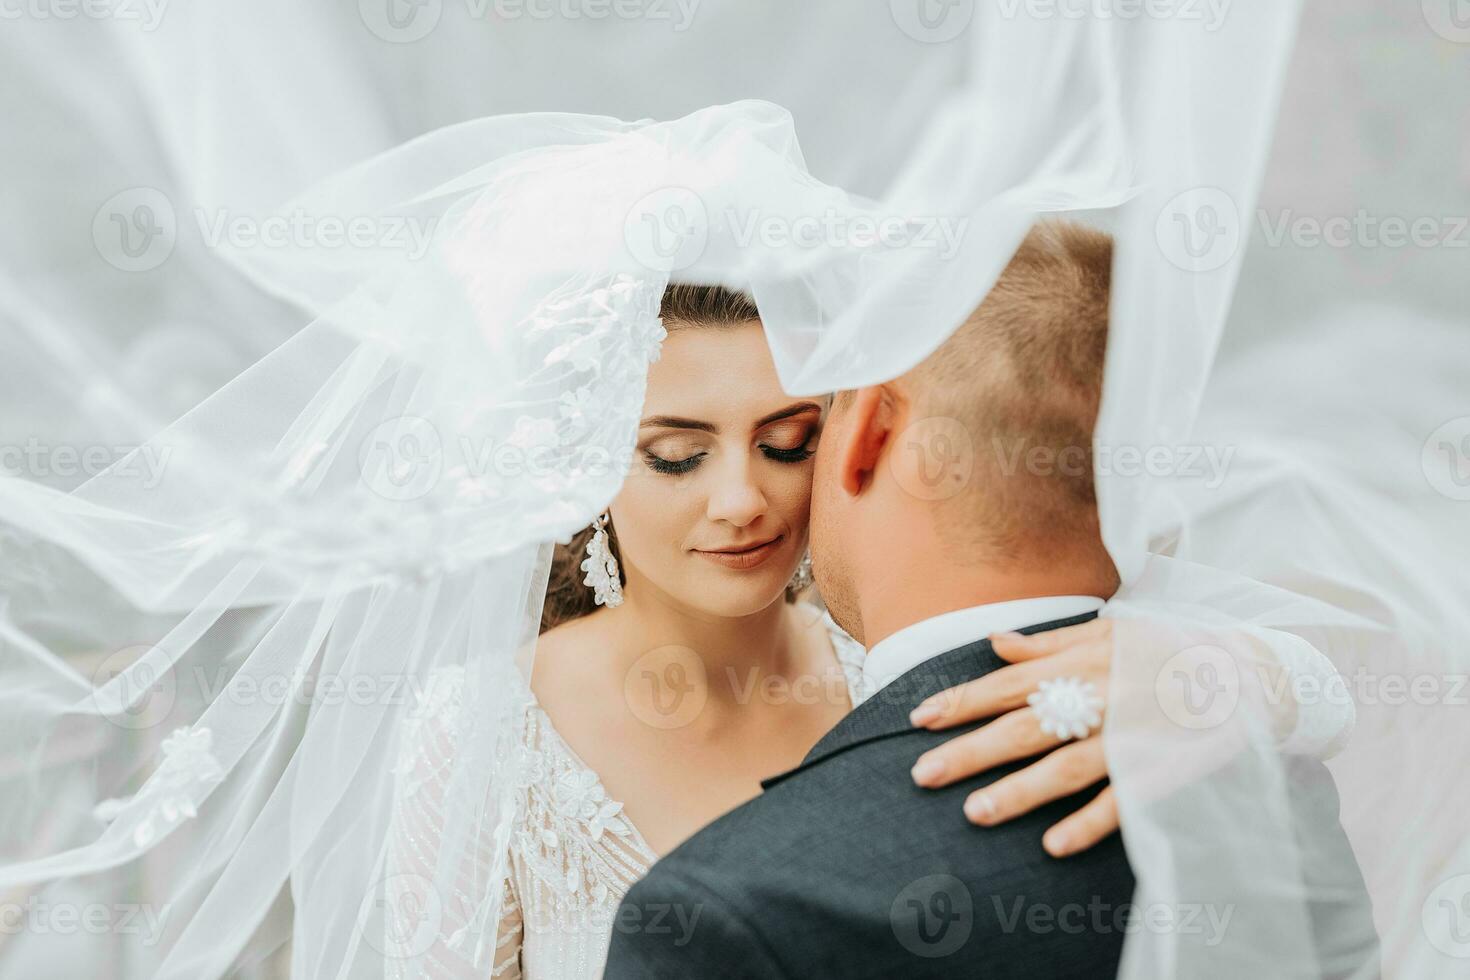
(572, 856)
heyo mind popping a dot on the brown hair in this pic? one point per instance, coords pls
(1025, 370)
(683, 305)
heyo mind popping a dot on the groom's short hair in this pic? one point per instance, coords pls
(1023, 374)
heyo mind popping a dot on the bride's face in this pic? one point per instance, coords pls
(713, 515)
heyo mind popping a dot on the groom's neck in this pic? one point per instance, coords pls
(924, 590)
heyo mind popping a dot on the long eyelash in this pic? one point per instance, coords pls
(672, 466)
(797, 455)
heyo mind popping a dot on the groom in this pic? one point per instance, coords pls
(843, 867)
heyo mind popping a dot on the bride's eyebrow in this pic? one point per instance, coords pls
(675, 422)
(789, 411)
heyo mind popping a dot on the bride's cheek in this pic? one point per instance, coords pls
(794, 497)
(651, 516)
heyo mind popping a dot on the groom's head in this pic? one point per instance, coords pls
(969, 478)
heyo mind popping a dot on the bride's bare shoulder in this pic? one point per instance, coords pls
(567, 657)
(573, 636)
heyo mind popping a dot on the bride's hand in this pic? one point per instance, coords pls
(1084, 652)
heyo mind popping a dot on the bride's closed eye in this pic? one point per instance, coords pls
(790, 443)
(672, 466)
(792, 454)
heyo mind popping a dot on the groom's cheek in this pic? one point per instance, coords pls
(822, 477)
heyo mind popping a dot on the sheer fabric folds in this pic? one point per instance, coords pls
(213, 654)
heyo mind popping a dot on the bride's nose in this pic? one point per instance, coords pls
(737, 500)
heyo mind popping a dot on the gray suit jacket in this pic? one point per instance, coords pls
(842, 867)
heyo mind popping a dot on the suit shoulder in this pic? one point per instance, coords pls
(674, 923)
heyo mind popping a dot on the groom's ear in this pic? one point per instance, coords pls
(871, 414)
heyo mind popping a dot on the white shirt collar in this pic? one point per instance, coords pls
(906, 649)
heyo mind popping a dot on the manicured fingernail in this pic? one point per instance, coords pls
(927, 770)
(980, 808)
(1057, 845)
(924, 714)
(1008, 635)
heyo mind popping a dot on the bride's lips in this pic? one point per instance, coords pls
(743, 556)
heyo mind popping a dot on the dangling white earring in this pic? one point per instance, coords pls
(601, 567)
(802, 579)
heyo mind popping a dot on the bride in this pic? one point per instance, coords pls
(681, 668)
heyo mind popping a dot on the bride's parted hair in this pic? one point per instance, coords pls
(684, 306)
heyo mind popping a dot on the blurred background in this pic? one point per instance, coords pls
(227, 110)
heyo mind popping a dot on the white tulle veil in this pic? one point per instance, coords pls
(214, 650)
